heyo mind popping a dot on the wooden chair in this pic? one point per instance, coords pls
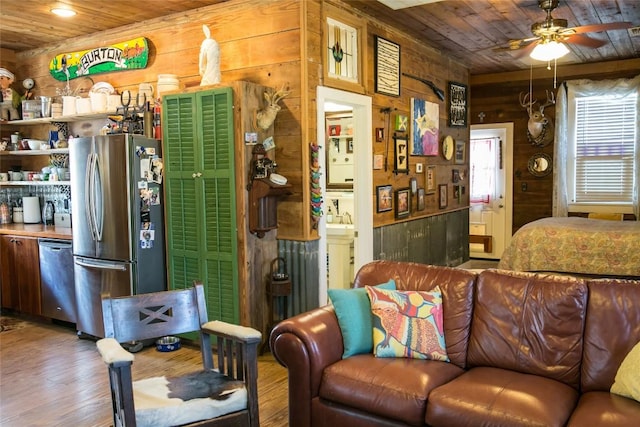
(153, 315)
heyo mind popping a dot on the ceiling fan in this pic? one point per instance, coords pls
(557, 30)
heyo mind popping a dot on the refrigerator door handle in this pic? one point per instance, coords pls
(98, 201)
(101, 265)
(88, 191)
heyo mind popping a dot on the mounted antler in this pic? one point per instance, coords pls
(267, 116)
(539, 128)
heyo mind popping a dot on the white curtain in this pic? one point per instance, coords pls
(483, 170)
(586, 87)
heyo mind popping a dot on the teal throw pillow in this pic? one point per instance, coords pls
(353, 310)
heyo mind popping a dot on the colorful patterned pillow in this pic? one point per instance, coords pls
(354, 317)
(627, 382)
(408, 324)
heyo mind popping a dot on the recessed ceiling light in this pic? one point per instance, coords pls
(63, 12)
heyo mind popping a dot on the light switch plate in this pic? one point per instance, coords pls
(418, 167)
(62, 220)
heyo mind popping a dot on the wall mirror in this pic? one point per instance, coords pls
(540, 164)
(339, 149)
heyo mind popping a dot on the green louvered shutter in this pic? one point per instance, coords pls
(201, 222)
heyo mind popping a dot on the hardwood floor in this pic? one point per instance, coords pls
(50, 377)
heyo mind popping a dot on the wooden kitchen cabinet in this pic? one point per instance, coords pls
(20, 274)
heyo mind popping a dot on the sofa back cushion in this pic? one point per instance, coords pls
(456, 286)
(530, 323)
(612, 328)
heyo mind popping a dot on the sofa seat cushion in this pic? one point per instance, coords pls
(493, 396)
(388, 387)
(601, 408)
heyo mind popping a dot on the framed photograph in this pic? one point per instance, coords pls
(349, 145)
(457, 194)
(420, 206)
(442, 190)
(457, 105)
(387, 67)
(413, 184)
(458, 154)
(425, 128)
(401, 154)
(430, 180)
(384, 201)
(455, 175)
(379, 134)
(403, 202)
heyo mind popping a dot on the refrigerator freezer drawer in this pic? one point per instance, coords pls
(95, 279)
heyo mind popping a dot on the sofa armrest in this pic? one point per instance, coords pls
(306, 344)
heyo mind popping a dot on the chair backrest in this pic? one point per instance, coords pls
(153, 315)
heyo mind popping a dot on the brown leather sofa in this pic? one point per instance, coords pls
(525, 349)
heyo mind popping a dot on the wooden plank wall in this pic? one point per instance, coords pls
(275, 43)
(497, 97)
(417, 58)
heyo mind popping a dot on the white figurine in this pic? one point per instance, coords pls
(209, 60)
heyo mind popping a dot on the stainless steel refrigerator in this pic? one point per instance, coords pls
(118, 225)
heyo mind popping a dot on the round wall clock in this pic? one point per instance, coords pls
(447, 147)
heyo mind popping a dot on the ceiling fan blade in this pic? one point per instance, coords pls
(515, 44)
(594, 28)
(583, 40)
(526, 50)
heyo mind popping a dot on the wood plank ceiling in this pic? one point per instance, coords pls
(467, 30)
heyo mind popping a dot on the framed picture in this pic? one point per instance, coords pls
(458, 154)
(402, 122)
(455, 176)
(403, 202)
(425, 128)
(387, 67)
(420, 206)
(379, 134)
(384, 201)
(430, 180)
(413, 184)
(457, 194)
(401, 154)
(442, 189)
(457, 105)
(344, 50)
(349, 145)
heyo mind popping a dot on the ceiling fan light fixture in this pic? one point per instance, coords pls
(549, 51)
(63, 12)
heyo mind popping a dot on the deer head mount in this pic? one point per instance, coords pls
(267, 116)
(540, 129)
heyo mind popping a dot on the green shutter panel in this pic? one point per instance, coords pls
(201, 221)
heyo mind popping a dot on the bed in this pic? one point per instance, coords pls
(575, 245)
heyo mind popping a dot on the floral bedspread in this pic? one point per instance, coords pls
(575, 245)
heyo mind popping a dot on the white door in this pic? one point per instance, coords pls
(491, 210)
(362, 184)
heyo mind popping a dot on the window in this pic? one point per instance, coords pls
(483, 169)
(602, 150)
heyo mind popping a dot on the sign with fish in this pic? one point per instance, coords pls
(127, 55)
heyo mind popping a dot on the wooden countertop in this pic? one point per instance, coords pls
(36, 230)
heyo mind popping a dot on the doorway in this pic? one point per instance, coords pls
(362, 183)
(491, 208)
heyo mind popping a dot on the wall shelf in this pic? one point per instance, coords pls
(35, 152)
(27, 183)
(45, 120)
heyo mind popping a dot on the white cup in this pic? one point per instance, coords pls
(98, 102)
(4, 177)
(16, 176)
(68, 105)
(83, 106)
(113, 102)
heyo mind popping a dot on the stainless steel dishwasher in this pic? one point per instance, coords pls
(56, 279)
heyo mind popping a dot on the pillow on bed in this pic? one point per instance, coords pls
(354, 317)
(408, 324)
(627, 381)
